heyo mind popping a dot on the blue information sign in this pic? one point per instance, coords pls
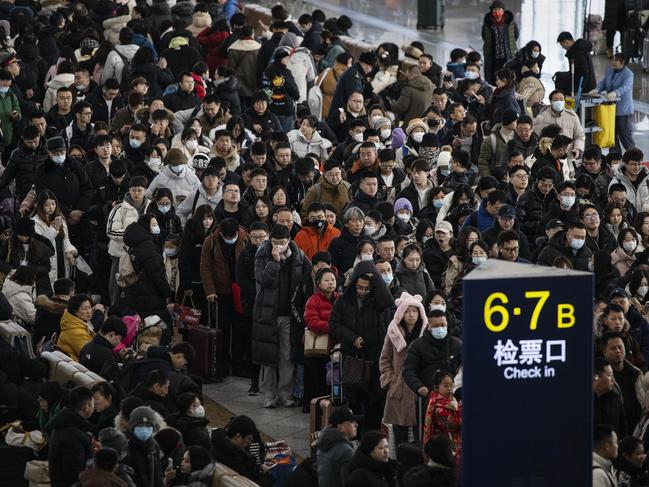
(527, 377)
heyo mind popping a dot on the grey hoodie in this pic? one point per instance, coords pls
(335, 452)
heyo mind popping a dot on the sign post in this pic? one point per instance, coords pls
(527, 376)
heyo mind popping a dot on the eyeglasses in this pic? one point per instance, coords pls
(521, 176)
(591, 216)
(235, 191)
(510, 250)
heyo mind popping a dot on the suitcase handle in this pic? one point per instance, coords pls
(335, 349)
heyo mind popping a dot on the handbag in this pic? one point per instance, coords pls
(187, 316)
(605, 119)
(37, 471)
(31, 439)
(315, 345)
(236, 298)
(357, 372)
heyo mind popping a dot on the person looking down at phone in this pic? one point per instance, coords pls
(9, 109)
(415, 96)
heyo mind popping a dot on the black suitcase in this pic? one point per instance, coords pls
(208, 342)
(430, 13)
(411, 454)
(12, 465)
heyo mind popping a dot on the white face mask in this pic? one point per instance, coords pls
(197, 412)
(439, 332)
(170, 252)
(471, 75)
(642, 291)
(441, 307)
(358, 137)
(404, 217)
(369, 229)
(367, 257)
(385, 133)
(191, 144)
(630, 246)
(155, 230)
(616, 167)
(177, 170)
(558, 105)
(478, 260)
(417, 136)
(155, 163)
(535, 54)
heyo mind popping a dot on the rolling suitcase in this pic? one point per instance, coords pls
(645, 55)
(411, 454)
(430, 13)
(320, 408)
(209, 345)
(19, 338)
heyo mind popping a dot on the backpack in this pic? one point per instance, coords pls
(125, 82)
(126, 275)
(315, 97)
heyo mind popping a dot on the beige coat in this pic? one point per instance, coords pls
(567, 120)
(328, 86)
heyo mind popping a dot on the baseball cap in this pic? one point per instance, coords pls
(341, 415)
(444, 226)
(507, 211)
(618, 291)
(555, 223)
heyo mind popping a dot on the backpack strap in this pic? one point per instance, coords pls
(195, 198)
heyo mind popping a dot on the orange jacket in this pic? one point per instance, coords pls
(309, 240)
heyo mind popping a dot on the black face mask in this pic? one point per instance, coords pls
(318, 224)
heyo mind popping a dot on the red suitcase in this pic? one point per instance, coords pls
(210, 350)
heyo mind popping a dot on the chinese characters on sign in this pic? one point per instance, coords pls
(530, 353)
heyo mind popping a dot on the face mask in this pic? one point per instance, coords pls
(471, 75)
(367, 257)
(630, 246)
(134, 143)
(437, 203)
(375, 118)
(170, 252)
(358, 137)
(318, 224)
(642, 290)
(417, 136)
(387, 278)
(576, 243)
(567, 201)
(191, 144)
(143, 433)
(439, 332)
(444, 171)
(230, 241)
(155, 163)
(385, 133)
(58, 160)
(198, 412)
(441, 307)
(177, 170)
(425, 238)
(506, 132)
(535, 54)
(4, 90)
(155, 230)
(404, 217)
(478, 260)
(164, 208)
(369, 229)
(558, 106)
(79, 87)
(616, 167)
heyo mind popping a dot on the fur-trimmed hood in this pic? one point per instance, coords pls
(53, 305)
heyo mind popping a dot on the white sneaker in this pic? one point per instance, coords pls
(287, 403)
(269, 404)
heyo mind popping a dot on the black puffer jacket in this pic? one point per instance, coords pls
(227, 90)
(559, 248)
(530, 208)
(427, 355)
(245, 276)
(436, 261)
(69, 448)
(194, 430)
(158, 78)
(69, 183)
(343, 250)
(144, 459)
(239, 460)
(97, 354)
(285, 93)
(38, 259)
(23, 165)
(364, 471)
(147, 296)
(265, 340)
(268, 121)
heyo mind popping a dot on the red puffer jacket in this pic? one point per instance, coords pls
(211, 42)
(317, 311)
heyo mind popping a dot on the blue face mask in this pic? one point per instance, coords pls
(134, 143)
(438, 203)
(59, 160)
(387, 278)
(439, 332)
(143, 433)
(164, 208)
(4, 90)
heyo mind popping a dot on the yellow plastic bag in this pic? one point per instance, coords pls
(605, 119)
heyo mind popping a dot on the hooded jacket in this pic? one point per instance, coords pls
(75, 333)
(343, 250)
(21, 299)
(114, 66)
(197, 198)
(69, 448)
(22, 167)
(120, 217)
(579, 56)
(414, 100)
(48, 316)
(144, 459)
(400, 401)
(300, 64)
(489, 38)
(567, 120)
(215, 271)
(211, 42)
(324, 192)
(559, 248)
(639, 197)
(227, 89)
(194, 430)
(59, 81)
(97, 354)
(180, 184)
(310, 241)
(301, 147)
(416, 282)
(61, 245)
(279, 80)
(69, 183)
(335, 452)
(242, 58)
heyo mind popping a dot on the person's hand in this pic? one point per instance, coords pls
(611, 96)
(170, 474)
(124, 352)
(162, 63)
(126, 129)
(95, 445)
(480, 99)
(456, 142)
(576, 153)
(71, 257)
(342, 116)
(423, 391)
(257, 128)
(276, 253)
(15, 115)
(447, 84)
(212, 297)
(56, 224)
(188, 292)
(263, 26)
(75, 217)
(99, 307)
(359, 342)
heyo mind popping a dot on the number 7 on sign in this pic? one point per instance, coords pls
(542, 297)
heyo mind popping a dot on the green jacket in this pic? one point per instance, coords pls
(8, 104)
(491, 156)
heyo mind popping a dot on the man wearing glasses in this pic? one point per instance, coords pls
(634, 176)
(598, 237)
(509, 247)
(80, 131)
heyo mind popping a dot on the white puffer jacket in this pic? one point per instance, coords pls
(301, 147)
(21, 298)
(51, 233)
(120, 217)
(180, 185)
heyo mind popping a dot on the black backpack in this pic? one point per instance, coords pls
(127, 74)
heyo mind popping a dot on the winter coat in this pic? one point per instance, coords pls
(324, 192)
(508, 37)
(504, 99)
(197, 198)
(48, 317)
(268, 121)
(265, 339)
(559, 248)
(22, 167)
(530, 208)
(8, 104)
(228, 91)
(211, 42)
(144, 459)
(194, 430)
(179, 100)
(21, 299)
(149, 294)
(69, 448)
(369, 320)
(415, 282)
(93, 477)
(567, 120)
(238, 459)
(343, 250)
(491, 235)
(603, 472)
(556, 212)
(38, 257)
(100, 111)
(59, 81)
(114, 65)
(200, 22)
(443, 417)
(493, 151)
(579, 56)
(638, 198)
(310, 241)
(352, 80)
(242, 59)
(180, 185)
(75, 333)
(120, 217)
(622, 261)
(60, 244)
(97, 354)
(158, 78)
(416, 97)
(525, 148)
(245, 277)
(328, 80)
(301, 147)
(279, 80)
(334, 452)
(400, 400)
(215, 271)
(428, 355)
(69, 183)
(317, 312)
(384, 78)
(364, 471)
(435, 261)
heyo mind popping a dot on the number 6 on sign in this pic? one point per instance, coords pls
(490, 310)
(542, 296)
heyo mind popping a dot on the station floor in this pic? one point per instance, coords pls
(377, 21)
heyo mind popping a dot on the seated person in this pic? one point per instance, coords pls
(98, 352)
